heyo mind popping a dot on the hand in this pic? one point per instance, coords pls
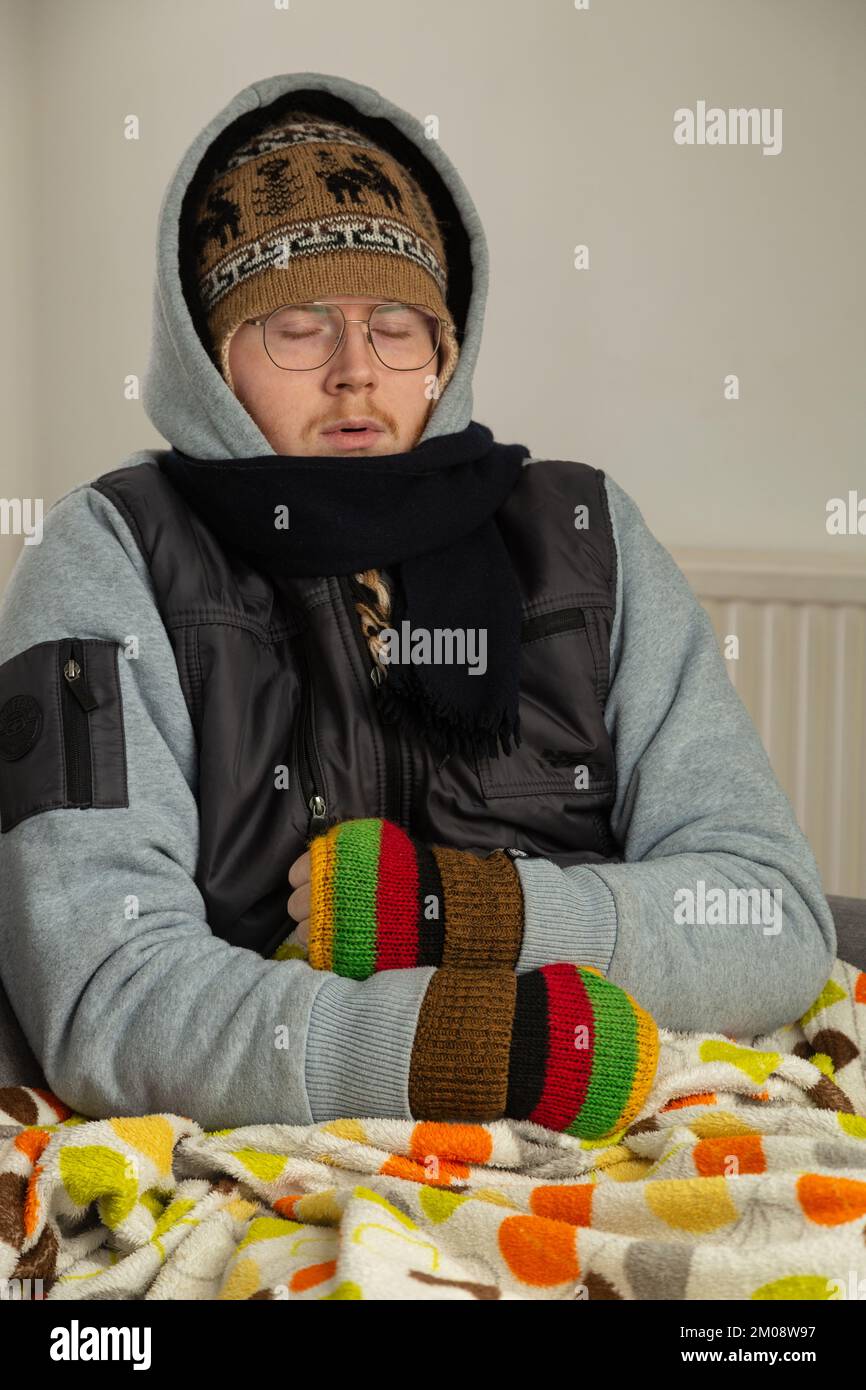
(299, 901)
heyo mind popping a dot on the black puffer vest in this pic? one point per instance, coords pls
(276, 674)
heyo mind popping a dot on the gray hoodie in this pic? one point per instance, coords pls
(133, 1014)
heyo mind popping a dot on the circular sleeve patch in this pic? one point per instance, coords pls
(20, 726)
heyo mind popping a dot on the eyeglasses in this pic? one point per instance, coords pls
(302, 337)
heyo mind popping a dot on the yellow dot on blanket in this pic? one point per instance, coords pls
(823, 1063)
(438, 1204)
(797, 1286)
(757, 1065)
(95, 1173)
(319, 1208)
(830, 994)
(152, 1135)
(269, 1228)
(244, 1280)
(170, 1217)
(855, 1125)
(352, 1130)
(611, 1141)
(721, 1124)
(632, 1170)
(240, 1210)
(155, 1200)
(346, 1290)
(494, 1196)
(262, 1165)
(371, 1196)
(692, 1204)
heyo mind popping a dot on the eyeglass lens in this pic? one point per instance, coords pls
(303, 336)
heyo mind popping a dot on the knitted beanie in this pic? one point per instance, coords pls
(306, 208)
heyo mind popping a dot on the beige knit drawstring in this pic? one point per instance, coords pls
(374, 616)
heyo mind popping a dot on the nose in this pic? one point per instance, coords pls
(355, 359)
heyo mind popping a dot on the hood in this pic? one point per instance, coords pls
(184, 394)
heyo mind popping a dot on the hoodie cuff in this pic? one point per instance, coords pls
(360, 1043)
(569, 915)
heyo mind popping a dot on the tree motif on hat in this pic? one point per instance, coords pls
(281, 190)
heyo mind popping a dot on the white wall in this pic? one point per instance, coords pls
(704, 260)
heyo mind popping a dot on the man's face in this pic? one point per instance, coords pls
(293, 408)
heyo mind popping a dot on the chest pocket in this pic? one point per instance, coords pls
(563, 686)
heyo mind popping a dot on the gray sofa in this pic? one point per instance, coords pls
(19, 1067)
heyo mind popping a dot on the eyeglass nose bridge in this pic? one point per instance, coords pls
(368, 335)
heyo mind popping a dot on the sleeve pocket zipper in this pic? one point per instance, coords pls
(78, 700)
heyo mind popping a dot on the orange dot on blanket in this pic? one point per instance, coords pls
(438, 1172)
(571, 1202)
(538, 1251)
(831, 1201)
(311, 1275)
(698, 1098)
(712, 1156)
(465, 1143)
(32, 1141)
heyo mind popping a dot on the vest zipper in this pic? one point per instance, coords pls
(308, 753)
(78, 700)
(393, 751)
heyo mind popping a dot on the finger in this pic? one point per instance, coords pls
(303, 932)
(300, 871)
(299, 903)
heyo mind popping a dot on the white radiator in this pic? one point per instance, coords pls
(801, 672)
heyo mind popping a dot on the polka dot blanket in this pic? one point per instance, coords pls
(744, 1176)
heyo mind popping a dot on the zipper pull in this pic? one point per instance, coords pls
(77, 684)
(318, 814)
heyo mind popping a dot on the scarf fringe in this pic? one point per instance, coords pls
(449, 730)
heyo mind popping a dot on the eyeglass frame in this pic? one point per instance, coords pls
(329, 304)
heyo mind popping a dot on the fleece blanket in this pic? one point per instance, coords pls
(743, 1177)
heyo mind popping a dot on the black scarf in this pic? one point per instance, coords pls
(431, 513)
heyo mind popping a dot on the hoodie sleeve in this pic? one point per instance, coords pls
(698, 808)
(129, 1001)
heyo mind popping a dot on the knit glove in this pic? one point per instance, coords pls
(561, 1046)
(381, 900)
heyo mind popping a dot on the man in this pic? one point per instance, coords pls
(197, 699)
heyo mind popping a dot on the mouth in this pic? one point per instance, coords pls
(354, 433)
